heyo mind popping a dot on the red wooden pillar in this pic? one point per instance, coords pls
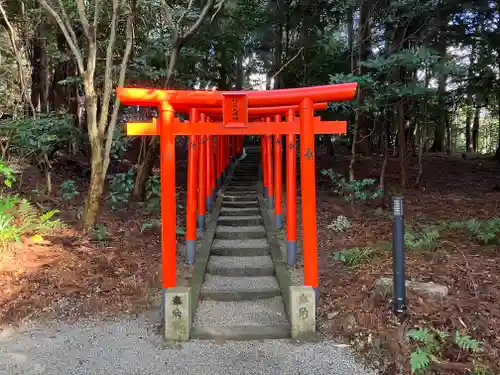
(192, 182)
(213, 160)
(227, 155)
(218, 160)
(209, 177)
(269, 166)
(202, 180)
(278, 178)
(308, 188)
(223, 158)
(168, 196)
(265, 179)
(291, 193)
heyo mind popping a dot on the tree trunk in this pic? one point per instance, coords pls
(350, 39)
(98, 174)
(240, 72)
(364, 43)
(468, 103)
(475, 130)
(39, 65)
(145, 167)
(440, 130)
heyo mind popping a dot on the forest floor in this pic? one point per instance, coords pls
(70, 274)
(451, 189)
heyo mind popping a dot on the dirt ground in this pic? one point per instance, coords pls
(69, 275)
(451, 190)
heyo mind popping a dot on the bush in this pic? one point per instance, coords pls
(120, 189)
(353, 191)
(37, 140)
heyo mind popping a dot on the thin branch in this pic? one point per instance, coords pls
(19, 60)
(218, 8)
(121, 80)
(183, 15)
(83, 18)
(196, 25)
(67, 22)
(67, 34)
(287, 63)
(97, 10)
(170, 20)
(108, 80)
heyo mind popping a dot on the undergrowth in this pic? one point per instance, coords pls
(425, 238)
(430, 345)
(19, 218)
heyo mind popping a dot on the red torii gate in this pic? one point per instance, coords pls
(236, 108)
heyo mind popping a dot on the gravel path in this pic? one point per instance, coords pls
(132, 346)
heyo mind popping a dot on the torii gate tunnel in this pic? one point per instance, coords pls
(218, 122)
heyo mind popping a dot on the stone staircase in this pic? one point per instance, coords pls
(240, 296)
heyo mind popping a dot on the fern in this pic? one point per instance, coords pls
(18, 218)
(354, 257)
(424, 239)
(419, 361)
(486, 231)
(420, 335)
(430, 342)
(466, 342)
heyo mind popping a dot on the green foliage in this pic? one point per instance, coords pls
(355, 256)
(466, 342)
(153, 194)
(38, 139)
(7, 174)
(68, 190)
(486, 231)
(353, 191)
(424, 239)
(153, 191)
(120, 188)
(19, 218)
(99, 233)
(156, 225)
(120, 143)
(430, 343)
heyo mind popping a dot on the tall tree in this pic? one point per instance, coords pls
(100, 126)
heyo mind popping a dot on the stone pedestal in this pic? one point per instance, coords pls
(177, 313)
(302, 311)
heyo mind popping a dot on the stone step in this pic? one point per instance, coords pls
(241, 185)
(240, 248)
(235, 221)
(235, 211)
(240, 204)
(223, 232)
(241, 320)
(244, 181)
(245, 188)
(239, 197)
(238, 192)
(227, 288)
(240, 266)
